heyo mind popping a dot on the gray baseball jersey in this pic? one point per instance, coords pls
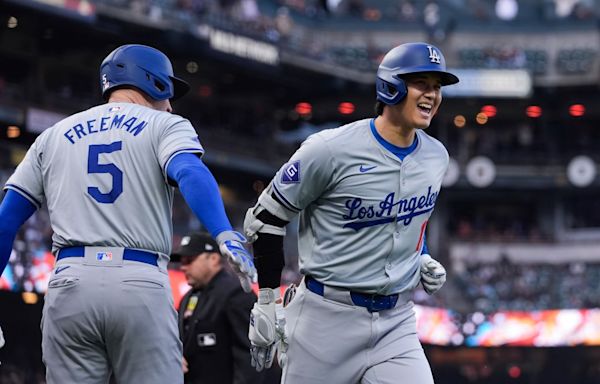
(363, 211)
(97, 192)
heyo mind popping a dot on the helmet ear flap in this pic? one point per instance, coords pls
(391, 93)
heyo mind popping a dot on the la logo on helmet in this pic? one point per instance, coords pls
(105, 82)
(434, 56)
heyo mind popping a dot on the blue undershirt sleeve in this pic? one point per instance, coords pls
(425, 249)
(14, 211)
(200, 191)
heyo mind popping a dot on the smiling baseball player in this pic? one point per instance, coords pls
(106, 175)
(364, 193)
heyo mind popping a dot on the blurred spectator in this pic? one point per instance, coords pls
(249, 11)
(583, 10)
(407, 10)
(284, 23)
(431, 19)
(563, 8)
(507, 9)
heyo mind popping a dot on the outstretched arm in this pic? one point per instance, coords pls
(201, 192)
(14, 211)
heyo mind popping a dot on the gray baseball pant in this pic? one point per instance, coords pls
(333, 341)
(116, 316)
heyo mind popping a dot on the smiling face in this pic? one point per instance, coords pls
(421, 102)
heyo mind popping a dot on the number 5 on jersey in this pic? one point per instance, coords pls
(94, 166)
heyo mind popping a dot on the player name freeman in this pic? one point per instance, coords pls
(103, 124)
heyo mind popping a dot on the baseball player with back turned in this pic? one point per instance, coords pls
(107, 177)
(364, 193)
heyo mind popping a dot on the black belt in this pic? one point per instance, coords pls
(128, 254)
(373, 302)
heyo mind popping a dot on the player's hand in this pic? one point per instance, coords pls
(185, 366)
(267, 328)
(433, 274)
(231, 245)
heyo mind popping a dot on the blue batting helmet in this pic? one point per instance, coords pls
(143, 67)
(406, 59)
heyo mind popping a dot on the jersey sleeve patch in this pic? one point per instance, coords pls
(291, 173)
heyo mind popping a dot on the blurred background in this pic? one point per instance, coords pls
(517, 224)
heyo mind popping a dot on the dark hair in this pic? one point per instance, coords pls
(379, 107)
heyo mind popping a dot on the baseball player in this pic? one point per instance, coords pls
(106, 175)
(364, 193)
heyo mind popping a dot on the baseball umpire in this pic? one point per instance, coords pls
(106, 175)
(364, 193)
(213, 317)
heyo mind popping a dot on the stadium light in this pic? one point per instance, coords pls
(346, 108)
(459, 121)
(12, 22)
(489, 110)
(514, 371)
(481, 118)
(29, 297)
(533, 111)
(577, 110)
(12, 132)
(303, 108)
(192, 67)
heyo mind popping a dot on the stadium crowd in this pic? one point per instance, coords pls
(508, 286)
(289, 23)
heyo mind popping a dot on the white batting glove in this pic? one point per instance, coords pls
(267, 328)
(231, 245)
(433, 274)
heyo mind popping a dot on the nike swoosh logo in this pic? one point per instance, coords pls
(60, 269)
(364, 169)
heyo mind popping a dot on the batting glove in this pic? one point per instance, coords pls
(433, 274)
(267, 328)
(231, 245)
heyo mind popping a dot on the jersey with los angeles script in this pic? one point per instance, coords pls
(102, 173)
(363, 211)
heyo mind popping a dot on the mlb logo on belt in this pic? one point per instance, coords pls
(103, 256)
(291, 173)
